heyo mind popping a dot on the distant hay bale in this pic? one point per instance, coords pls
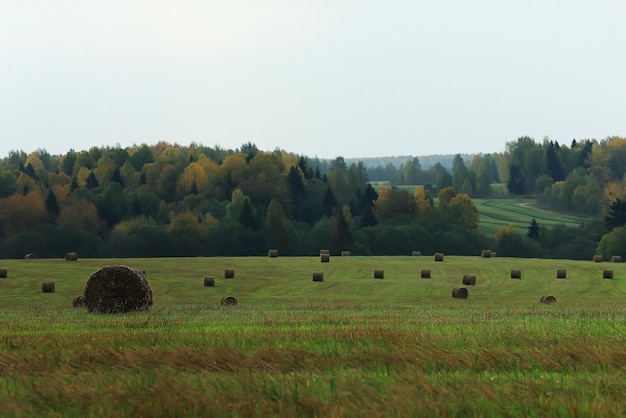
(47, 287)
(79, 301)
(117, 289)
(345, 253)
(209, 281)
(469, 280)
(425, 273)
(516, 274)
(325, 258)
(229, 273)
(548, 299)
(438, 256)
(379, 274)
(485, 253)
(322, 252)
(460, 292)
(30, 256)
(493, 254)
(318, 276)
(616, 259)
(598, 258)
(71, 257)
(228, 301)
(4, 273)
(273, 253)
(561, 274)
(416, 253)
(607, 274)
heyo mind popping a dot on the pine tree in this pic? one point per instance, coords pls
(533, 230)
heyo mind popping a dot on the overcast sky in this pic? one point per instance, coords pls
(320, 78)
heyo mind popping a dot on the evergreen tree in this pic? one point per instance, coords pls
(52, 205)
(533, 230)
(616, 216)
(92, 181)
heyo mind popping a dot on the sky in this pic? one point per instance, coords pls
(351, 78)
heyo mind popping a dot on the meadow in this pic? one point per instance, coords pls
(349, 346)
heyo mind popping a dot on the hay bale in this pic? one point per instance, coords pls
(516, 274)
(228, 301)
(325, 258)
(117, 289)
(30, 256)
(416, 254)
(616, 259)
(460, 292)
(345, 253)
(229, 273)
(485, 253)
(607, 274)
(318, 276)
(598, 258)
(71, 257)
(209, 281)
(425, 273)
(438, 256)
(322, 252)
(272, 253)
(145, 273)
(561, 274)
(379, 274)
(47, 287)
(469, 280)
(548, 299)
(4, 273)
(79, 301)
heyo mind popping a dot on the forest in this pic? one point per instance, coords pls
(170, 200)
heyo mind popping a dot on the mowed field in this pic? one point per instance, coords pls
(349, 346)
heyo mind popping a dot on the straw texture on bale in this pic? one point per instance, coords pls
(30, 256)
(598, 258)
(416, 253)
(379, 274)
(79, 301)
(117, 289)
(485, 253)
(548, 299)
(47, 287)
(4, 273)
(273, 253)
(425, 273)
(561, 274)
(229, 273)
(438, 256)
(209, 281)
(516, 274)
(345, 253)
(318, 276)
(469, 280)
(607, 274)
(325, 258)
(616, 259)
(459, 292)
(228, 301)
(71, 257)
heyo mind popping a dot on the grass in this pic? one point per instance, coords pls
(348, 346)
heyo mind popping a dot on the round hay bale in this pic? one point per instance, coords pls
(209, 281)
(4, 273)
(345, 253)
(318, 276)
(616, 259)
(598, 258)
(485, 253)
(117, 289)
(228, 301)
(469, 280)
(379, 274)
(325, 258)
(229, 273)
(79, 301)
(322, 252)
(516, 274)
(30, 256)
(71, 257)
(460, 292)
(548, 299)
(438, 256)
(416, 253)
(272, 253)
(47, 287)
(561, 274)
(425, 273)
(607, 274)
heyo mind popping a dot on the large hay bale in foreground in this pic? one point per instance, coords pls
(117, 289)
(598, 258)
(548, 299)
(416, 253)
(209, 281)
(4, 273)
(228, 301)
(469, 280)
(30, 256)
(272, 253)
(325, 258)
(438, 256)
(346, 253)
(229, 273)
(425, 273)
(79, 301)
(616, 259)
(71, 257)
(561, 274)
(460, 292)
(607, 274)
(318, 276)
(485, 253)
(516, 274)
(47, 287)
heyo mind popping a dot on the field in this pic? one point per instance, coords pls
(349, 346)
